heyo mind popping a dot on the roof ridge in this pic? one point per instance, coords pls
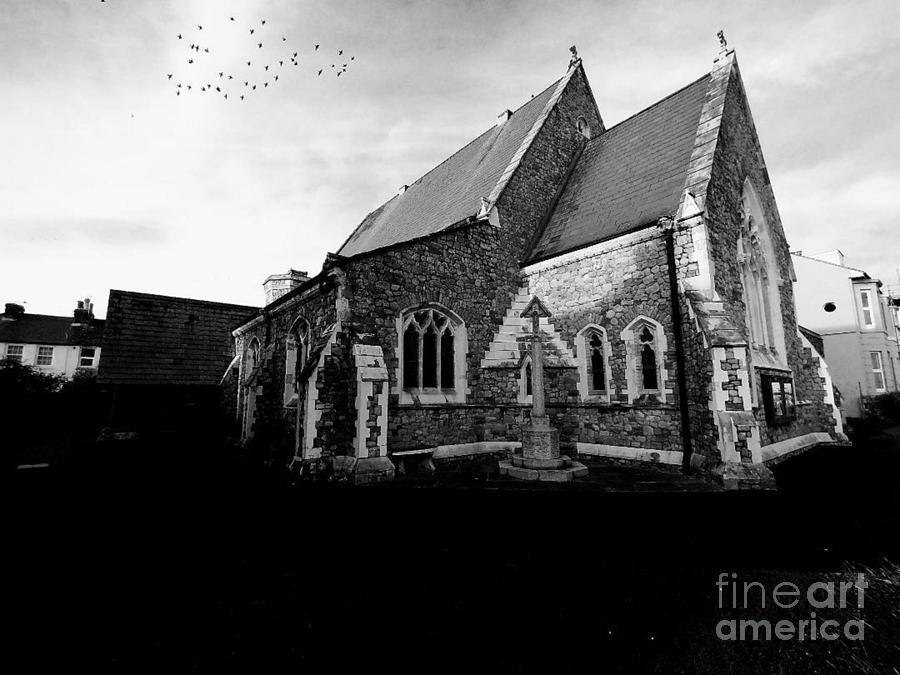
(652, 105)
(480, 136)
(175, 297)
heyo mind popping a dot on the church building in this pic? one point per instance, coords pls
(655, 245)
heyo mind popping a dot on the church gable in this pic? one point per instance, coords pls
(627, 177)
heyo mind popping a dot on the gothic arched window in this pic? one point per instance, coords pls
(296, 352)
(432, 355)
(250, 384)
(525, 384)
(760, 280)
(593, 351)
(645, 351)
(649, 374)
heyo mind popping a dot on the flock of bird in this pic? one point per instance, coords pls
(265, 66)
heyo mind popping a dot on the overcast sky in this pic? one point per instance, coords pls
(108, 179)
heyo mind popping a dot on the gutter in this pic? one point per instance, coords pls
(686, 441)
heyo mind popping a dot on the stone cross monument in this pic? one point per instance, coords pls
(540, 458)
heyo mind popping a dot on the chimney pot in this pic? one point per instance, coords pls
(277, 285)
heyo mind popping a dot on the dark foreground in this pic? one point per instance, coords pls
(174, 560)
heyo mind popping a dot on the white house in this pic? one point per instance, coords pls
(857, 322)
(60, 345)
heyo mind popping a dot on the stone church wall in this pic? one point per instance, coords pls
(739, 156)
(609, 287)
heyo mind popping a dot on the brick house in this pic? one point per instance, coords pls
(657, 246)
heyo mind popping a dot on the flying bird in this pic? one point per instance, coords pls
(266, 84)
(254, 87)
(317, 46)
(179, 36)
(246, 84)
(190, 60)
(339, 72)
(251, 31)
(178, 92)
(276, 78)
(267, 67)
(283, 39)
(352, 57)
(230, 77)
(340, 52)
(281, 63)
(226, 97)
(221, 74)
(199, 27)
(232, 18)
(260, 45)
(242, 97)
(189, 86)
(248, 63)
(218, 90)
(169, 76)
(263, 22)
(295, 55)
(320, 72)
(206, 49)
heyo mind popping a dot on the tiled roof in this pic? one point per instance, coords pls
(451, 191)
(627, 177)
(42, 329)
(155, 339)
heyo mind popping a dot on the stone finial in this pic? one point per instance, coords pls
(485, 206)
(723, 43)
(574, 60)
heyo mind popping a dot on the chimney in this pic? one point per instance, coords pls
(503, 117)
(83, 313)
(12, 311)
(277, 285)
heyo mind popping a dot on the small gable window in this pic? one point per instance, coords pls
(432, 355)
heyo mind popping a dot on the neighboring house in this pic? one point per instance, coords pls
(656, 245)
(164, 359)
(60, 345)
(858, 324)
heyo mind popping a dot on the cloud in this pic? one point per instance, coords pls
(102, 231)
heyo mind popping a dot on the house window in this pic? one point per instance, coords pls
(645, 349)
(878, 372)
(45, 356)
(432, 355)
(296, 347)
(14, 352)
(868, 315)
(778, 398)
(86, 359)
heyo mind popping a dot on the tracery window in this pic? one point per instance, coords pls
(432, 355)
(296, 346)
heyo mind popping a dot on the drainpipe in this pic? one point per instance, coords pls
(687, 446)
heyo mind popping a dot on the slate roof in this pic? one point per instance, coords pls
(42, 329)
(156, 339)
(451, 191)
(627, 177)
